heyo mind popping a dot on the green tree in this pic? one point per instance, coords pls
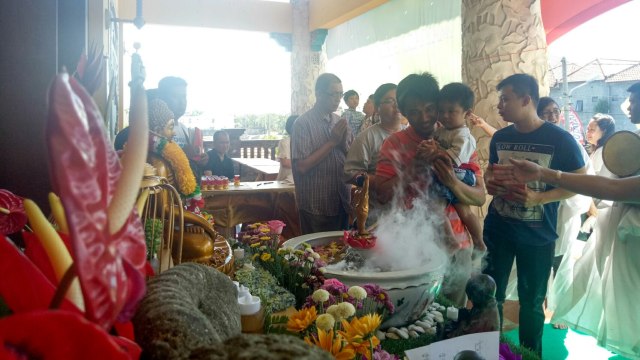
(266, 123)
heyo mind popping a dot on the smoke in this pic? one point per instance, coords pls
(409, 236)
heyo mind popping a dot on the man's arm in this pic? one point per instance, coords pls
(531, 198)
(302, 166)
(467, 195)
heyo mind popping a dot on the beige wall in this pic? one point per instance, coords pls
(327, 14)
(226, 14)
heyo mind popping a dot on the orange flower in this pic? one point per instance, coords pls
(332, 344)
(181, 168)
(359, 333)
(302, 319)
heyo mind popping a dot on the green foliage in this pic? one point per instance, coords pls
(268, 122)
(516, 349)
(263, 285)
(153, 232)
(602, 106)
(276, 324)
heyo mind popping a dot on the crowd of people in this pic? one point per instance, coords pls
(413, 139)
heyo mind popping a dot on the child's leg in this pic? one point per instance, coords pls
(470, 220)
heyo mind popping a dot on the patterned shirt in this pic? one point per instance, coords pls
(355, 119)
(320, 191)
(397, 154)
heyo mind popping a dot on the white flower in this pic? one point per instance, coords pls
(316, 255)
(357, 292)
(333, 310)
(346, 310)
(325, 322)
(322, 269)
(311, 259)
(320, 296)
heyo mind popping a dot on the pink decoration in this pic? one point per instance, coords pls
(276, 226)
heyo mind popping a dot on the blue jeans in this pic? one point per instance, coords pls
(534, 267)
(465, 175)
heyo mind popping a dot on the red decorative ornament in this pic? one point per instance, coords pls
(355, 240)
(12, 215)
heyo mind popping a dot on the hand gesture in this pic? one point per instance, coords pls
(476, 120)
(525, 196)
(339, 131)
(444, 171)
(524, 171)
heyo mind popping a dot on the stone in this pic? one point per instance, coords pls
(413, 334)
(380, 335)
(393, 336)
(186, 307)
(416, 328)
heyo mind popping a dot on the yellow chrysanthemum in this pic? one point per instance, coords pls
(265, 238)
(181, 168)
(254, 257)
(265, 257)
(302, 319)
(332, 344)
(359, 333)
(255, 245)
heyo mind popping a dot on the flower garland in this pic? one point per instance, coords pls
(170, 151)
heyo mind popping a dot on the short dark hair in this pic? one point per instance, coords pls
(543, 103)
(607, 125)
(634, 88)
(324, 81)
(289, 124)
(458, 93)
(171, 82)
(381, 91)
(522, 85)
(421, 86)
(349, 94)
(217, 134)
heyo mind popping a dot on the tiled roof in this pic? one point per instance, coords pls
(629, 74)
(598, 69)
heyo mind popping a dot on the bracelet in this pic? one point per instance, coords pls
(558, 175)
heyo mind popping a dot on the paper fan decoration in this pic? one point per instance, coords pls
(12, 215)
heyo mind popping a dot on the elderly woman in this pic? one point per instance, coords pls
(362, 157)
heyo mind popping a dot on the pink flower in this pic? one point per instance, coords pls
(276, 226)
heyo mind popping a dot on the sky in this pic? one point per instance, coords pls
(612, 35)
(232, 72)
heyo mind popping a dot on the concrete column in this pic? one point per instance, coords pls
(500, 38)
(307, 62)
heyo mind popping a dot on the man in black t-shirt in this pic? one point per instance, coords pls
(219, 162)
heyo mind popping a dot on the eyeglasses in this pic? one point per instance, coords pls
(334, 95)
(555, 112)
(389, 101)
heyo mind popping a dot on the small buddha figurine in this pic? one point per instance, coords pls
(483, 316)
(360, 238)
(362, 206)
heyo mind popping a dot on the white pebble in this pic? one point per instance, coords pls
(413, 334)
(431, 331)
(423, 324)
(380, 335)
(393, 336)
(435, 304)
(441, 308)
(416, 328)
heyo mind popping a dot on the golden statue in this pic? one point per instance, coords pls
(361, 195)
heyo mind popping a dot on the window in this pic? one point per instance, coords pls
(594, 99)
(579, 106)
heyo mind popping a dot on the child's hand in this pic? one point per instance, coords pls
(476, 120)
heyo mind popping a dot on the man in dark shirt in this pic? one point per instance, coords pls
(219, 163)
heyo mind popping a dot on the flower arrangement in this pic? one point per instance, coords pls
(186, 181)
(342, 320)
(299, 271)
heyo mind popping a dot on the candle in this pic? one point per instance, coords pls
(249, 304)
(452, 313)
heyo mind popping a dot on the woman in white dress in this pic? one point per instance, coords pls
(609, 308)
(575, 296)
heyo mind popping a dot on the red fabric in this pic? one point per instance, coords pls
(398, 152)
(560, 17)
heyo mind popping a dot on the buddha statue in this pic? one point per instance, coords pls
(171, 163)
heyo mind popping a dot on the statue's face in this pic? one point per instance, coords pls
(168, 130)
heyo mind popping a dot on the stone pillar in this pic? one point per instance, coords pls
(307, 61)
(500, 38)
